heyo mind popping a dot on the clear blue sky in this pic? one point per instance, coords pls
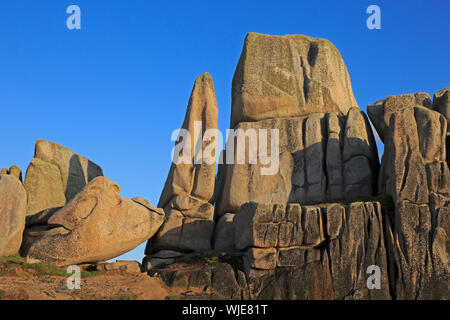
(116, 89)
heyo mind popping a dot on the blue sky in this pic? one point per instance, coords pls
(116, 89)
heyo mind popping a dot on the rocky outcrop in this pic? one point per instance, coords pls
(13, 171)
(322, 158)
(289, 76)
(13, 202)
(415, 173)
(296, 92)
(97, 225)
(302, 208)
(417, 243)
(307, 252)
(187, 197)
(294, 252)
(55, 176)
(415, 155)
(380, 111)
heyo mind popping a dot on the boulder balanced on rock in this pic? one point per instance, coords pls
(55, 176)
(97, 225)
(289, 76)
(187, 197)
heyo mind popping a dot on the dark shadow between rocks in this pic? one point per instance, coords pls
(76, 180)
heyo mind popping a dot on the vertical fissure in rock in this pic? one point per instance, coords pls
(391, 274)
(305, 80)
(325, 136)
(312, 53)
(327, 243)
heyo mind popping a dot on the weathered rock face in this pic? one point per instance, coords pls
(183, 234)
(289, 76)
(380, 111)
(188, 194)
(415, 173)
(322, 158)
(415, 155)
(307, 252)
(191, 182)
(13, 202)
(97, 225)
(55, 176)
(441, 103)
(13, 171)
(418, 248)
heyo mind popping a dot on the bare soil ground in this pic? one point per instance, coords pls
(21, 281)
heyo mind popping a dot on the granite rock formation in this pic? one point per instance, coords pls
(188, 194)
(322, 158)
(380, 111)
(415, 173)
(309, 252)
(315, 218)
(97, 225)
(298, 86)
(289, 76)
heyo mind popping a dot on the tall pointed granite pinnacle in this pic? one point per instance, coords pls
(187, 197)
(183, 183)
